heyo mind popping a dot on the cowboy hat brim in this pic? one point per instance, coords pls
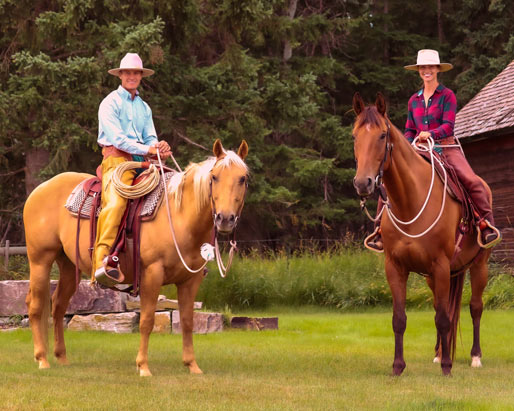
(442, 66)
(146, 72)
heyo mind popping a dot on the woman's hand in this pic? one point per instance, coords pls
(423, 136)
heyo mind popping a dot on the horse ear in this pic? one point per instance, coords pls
(243, 150)
(358, 103)
(217, 148)
(380, 104)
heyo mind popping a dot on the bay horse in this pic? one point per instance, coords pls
(214, 188)
(380, 147)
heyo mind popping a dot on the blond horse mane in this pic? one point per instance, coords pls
(201, 178)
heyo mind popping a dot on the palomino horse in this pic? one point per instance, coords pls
(214, 188)
(380, 147)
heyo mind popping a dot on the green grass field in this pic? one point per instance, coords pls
(319, 359)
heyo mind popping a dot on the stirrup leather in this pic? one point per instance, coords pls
(107, 275)
(491, 243)
(369, 238)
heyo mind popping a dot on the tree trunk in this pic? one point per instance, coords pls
(440, 22)
(291, 11)
(386, 30)
(35, 160)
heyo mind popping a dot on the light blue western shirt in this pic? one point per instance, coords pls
(125, 123)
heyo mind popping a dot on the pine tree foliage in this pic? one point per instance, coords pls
(278, 73)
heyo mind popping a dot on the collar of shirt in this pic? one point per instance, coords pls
(125, 93)
(439, 89)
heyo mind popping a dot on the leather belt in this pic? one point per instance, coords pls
(111, 151)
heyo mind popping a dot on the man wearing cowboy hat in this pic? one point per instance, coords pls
(126, 133)
(431, 114)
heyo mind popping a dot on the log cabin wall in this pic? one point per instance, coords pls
(493, 160)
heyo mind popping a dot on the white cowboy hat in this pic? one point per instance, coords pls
(131, 61)
(429, 57)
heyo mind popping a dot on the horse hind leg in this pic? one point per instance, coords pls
(38, 305)
(478, 276)
(437, 348)
(65, 289)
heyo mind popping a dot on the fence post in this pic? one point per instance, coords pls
(6, 255)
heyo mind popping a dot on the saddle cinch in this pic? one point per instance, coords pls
(84, 202)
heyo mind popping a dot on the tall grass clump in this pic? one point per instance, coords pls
(344, 278)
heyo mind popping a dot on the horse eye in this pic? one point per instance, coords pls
(382, 136)
(214, 178)
(242, 180)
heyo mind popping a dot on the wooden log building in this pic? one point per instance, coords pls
(485, 128)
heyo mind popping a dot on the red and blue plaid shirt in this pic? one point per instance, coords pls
(438, 117)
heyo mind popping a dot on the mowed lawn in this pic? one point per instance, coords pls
(317, 360)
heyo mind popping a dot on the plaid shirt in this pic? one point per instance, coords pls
(438, 118)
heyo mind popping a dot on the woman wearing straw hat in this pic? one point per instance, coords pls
(431, 113)
(126, 133)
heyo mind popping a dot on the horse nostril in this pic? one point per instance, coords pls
(370, 181)
(232, 218)
(218, 217)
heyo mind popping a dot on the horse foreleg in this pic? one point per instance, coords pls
(442, 318)
(65, 289)
(186, 295)
(478, 276)
(150, 286)
(38, 305)
(397, 279)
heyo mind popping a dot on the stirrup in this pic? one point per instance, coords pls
(107, 275)
(367, 241)
(492, 242)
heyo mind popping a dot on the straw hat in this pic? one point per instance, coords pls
(131, 61)
(429, 57)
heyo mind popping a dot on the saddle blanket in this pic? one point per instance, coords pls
(151, 202)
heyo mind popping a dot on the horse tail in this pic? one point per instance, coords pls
(456, 286)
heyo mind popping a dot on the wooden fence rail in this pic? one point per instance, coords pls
(7, 251)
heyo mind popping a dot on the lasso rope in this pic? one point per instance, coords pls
(387, 204)
(140, 189)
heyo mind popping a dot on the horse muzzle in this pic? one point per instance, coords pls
(225, 223)
(364, 185)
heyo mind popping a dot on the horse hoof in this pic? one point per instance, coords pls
(195, 370)
(476, 362)
(144, 372)
(437, 360)
(43, 364)
(447, 372)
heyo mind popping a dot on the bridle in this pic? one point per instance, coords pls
(233, 244)
(379, 183)
(222, 268)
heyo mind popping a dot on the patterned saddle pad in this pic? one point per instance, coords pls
(151, 202)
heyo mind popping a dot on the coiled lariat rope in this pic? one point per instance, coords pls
(145, 186)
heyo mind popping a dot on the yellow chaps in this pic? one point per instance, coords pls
(113, 207)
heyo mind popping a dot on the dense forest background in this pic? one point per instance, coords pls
(279, 73)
